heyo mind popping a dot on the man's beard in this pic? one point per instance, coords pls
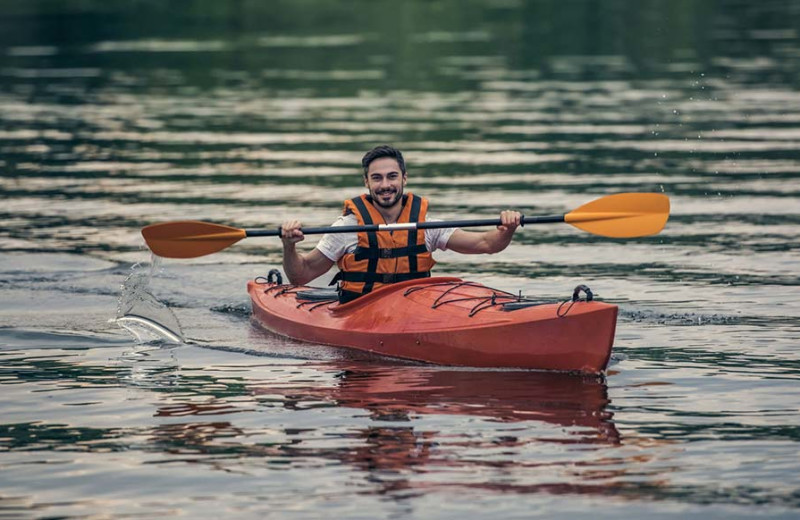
(377, 199)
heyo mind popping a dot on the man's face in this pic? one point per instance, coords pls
(385, 182)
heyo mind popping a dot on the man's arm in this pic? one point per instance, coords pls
(493, 241)
(301, 268)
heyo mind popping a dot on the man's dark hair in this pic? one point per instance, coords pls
(383, 151)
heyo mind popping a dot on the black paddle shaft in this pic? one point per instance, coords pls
(547, 219)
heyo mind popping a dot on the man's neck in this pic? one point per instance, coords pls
(390, 215)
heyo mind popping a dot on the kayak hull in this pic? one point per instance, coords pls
(446, 321)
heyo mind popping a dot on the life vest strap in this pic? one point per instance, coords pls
(363, 253)
(416, 206)
(371, 237)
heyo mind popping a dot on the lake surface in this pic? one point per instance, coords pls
(118, 115)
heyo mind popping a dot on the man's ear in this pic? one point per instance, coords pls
(405, 179)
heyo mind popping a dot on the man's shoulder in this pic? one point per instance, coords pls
(345, 220)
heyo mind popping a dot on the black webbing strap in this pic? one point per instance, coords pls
(363, 253)
(416, 204)
(372, 237)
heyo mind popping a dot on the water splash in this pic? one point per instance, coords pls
(142, 314)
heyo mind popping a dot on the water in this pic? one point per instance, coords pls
(115, 116)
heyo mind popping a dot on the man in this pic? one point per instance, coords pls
(368, 260)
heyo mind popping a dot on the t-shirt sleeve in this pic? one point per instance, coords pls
(438, 238)
(334, 245)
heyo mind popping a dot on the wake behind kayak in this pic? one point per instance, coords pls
(444, 321)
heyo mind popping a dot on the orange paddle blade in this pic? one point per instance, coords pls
(190, 238)
(625, 215)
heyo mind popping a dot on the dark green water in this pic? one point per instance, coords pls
(117, 115)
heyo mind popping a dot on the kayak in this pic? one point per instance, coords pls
(444, 321)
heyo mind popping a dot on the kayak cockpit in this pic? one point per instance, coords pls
(460, 295)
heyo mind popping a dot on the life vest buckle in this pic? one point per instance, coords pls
(386, 253)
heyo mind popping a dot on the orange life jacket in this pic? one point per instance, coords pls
(384, 257)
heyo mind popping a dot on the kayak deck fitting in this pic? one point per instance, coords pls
(444, 321)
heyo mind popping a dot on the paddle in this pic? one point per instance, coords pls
(624, 215)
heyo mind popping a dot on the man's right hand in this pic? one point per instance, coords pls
(301, 268)
(291, 233)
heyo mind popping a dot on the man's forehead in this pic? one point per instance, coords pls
(384, 165)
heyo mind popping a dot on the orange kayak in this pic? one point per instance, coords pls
(444, 321)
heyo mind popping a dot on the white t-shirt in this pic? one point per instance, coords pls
(336, 245)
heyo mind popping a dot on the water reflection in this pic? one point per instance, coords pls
(398, 393)
(396, 398)
(399, 449)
